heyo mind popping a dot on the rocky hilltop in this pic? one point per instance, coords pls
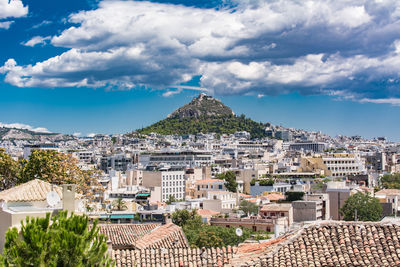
(205, 114)
(203, 105)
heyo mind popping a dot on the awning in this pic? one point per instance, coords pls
(140, 195)
(121, 216)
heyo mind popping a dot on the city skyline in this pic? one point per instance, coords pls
(72, 71)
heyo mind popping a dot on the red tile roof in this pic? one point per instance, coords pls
(125, 235)
(165, 236)
(179, 257)
(342, 244)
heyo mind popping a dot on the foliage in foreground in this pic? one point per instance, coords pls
(203, 235)
(368, 208)
(56, 241)
(50, 166)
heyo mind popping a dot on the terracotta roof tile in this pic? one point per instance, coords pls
(165, 236)
(179, 257)
(35, 190)
(124, 235)
(344, 244)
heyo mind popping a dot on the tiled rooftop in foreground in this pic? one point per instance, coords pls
(333, 244)
(323, 244)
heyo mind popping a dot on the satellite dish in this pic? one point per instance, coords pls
(81, 206)
(52, 198)
(239, 232)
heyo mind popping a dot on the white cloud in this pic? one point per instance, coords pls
(91, 135)
(24, 126)
(12, 9)
(6, 24)
(171, 93)
(41, 24)
(36, 40)
(77, 134)
(392, 101)
(262, 47)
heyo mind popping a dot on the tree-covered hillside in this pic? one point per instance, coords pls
(206, 124)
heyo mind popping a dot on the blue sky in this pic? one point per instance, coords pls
(115, 66)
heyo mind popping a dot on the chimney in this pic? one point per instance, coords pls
(69, 197)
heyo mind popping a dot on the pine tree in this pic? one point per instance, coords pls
(58, 241)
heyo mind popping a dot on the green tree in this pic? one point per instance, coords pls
(203, 235)
(65, 241)
(9, 171)
(368, 208)
(171, 198)
(184, 217)
(294, 196)
(248, 207)
(391, 181)
(269, 182)
(119, 204)
(230, 180)
(59, 168)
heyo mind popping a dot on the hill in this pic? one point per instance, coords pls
(205, 114)
(24, 134)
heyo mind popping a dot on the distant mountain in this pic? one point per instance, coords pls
(24, 134)
(205, 114)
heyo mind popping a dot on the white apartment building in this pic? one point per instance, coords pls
(170, 183)
(189, 159)
(344, 164)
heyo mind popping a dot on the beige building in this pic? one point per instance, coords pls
(338, 165)
(30, 199)
(275, 211)
(276, 225)
(227, 200)
(134, 178)
(201, 187)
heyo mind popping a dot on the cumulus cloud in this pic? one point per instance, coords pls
(6, 24)
(36, 40)
(259, 47)
(77, 134)
(25, 127)
(11, 9)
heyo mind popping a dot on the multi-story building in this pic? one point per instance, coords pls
(344, 164)
(29, 148)
(202, 187)
(338, 194)
(118, 162)
(307, 146)
(225, 200)
(307, 210)
(275, 211)
(165, 183)
(189, 159)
